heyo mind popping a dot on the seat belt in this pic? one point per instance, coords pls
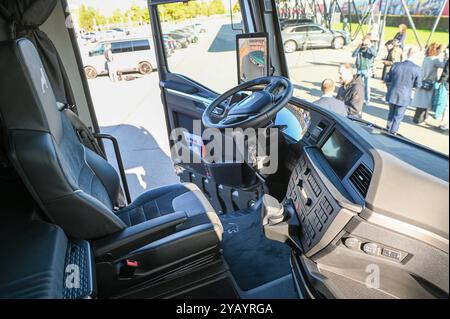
(84, 134)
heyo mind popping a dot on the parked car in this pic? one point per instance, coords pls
(127, 32)
(130, 55)
(113, 34)
(90, 36)
(182, 40)
(285, 23)
(312, 36)
(170, 43)
(199, 27)
(191, 37)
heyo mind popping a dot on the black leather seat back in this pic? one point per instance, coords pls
(73, 185)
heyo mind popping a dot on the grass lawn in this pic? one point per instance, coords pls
(390, 32)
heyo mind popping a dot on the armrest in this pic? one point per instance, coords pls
(118, 245)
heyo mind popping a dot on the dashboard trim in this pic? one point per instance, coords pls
(409, 230)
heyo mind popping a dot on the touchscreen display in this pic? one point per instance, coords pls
(253, 56)
(340, 153)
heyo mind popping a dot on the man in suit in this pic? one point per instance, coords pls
(328, 101)
(402, 79)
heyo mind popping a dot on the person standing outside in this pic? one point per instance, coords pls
(328, 101)
(395, 54)
(365, 56)
(423, 99)
(351, 91)
(400, 37)
(109, 57)
(402, 79)
(444, 81)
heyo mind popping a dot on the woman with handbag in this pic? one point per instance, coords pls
(423, 98)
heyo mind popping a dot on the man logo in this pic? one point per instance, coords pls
(44, 83)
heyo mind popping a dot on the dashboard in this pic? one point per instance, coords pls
(364, 197)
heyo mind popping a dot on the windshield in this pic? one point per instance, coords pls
(98, 50)
(331, 55)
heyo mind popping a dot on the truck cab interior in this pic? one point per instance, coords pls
(351, 211)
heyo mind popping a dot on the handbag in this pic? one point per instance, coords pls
(427, 85)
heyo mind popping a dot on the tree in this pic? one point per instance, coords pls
(117, 17)
(88, 17)
(237, 7)
(216, 7)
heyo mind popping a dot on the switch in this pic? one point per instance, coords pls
(370, 249)
(392, 254)
(352, 243)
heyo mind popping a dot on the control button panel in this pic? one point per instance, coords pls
(373, 249)
(315, 208)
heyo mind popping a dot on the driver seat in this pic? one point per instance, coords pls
(76, 188)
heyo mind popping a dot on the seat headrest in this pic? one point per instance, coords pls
(27, 100)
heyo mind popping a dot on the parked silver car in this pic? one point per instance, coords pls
(312, 36)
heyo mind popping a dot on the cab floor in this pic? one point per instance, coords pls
(254, 260)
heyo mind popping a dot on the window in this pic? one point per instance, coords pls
(116, 47)
(315, 29)
(300, 29)
(200, 41)
(141, 45)
(98, 50)
(318, 41)
(126, 46)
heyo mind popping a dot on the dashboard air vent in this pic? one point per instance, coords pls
(361, 179)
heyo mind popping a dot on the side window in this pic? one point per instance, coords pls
(116, 47)
(315, 29)
(200, 41)
(126, 46)
(300, 30)
(98, 50)
(141, 45)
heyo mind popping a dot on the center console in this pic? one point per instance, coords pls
(315, 207)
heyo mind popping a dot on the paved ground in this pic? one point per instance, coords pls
(132, 109)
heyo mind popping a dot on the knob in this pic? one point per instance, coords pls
(352, 243)
(309, 202)
(272, 211)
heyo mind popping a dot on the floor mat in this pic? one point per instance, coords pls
(253, 259)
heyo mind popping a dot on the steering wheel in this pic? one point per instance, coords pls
(253, 111)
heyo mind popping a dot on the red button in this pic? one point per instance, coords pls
(132, 263)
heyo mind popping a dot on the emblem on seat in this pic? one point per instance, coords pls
(44, 83)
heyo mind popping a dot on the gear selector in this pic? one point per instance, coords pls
(272, 211)
(278, 220)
